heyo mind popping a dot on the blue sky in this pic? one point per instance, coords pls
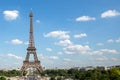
(67, 33)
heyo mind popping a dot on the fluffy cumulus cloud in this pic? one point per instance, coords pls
(114, 40)
(102, 51)
(110, 13)
(76, 49)
(42, 56)
(38, 21)
(48, 49)
(103, 58)
(60, 53)
(110, 41)
(80, 35)
(85, 18)
(46, 57)
(53, 57)
(26, 43)
(118, 40)
(14, 56)
(58, 34)
(11, 14)
(64, 42)
(16, 41)
(100, 44)
(109, 50)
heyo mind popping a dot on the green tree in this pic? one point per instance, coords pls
(59, 78)
(72, 73)
(105, 75)
(61, 72)
(52, 78)
(2, 78)
(114, 74)
(78, 76)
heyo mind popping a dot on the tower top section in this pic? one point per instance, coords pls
(31, 38)
(31, 14)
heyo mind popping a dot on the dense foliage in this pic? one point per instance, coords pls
(96, 74)
(75, 74)
(2, 78)
(10, 73)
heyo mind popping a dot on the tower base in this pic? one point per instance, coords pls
(35, 64)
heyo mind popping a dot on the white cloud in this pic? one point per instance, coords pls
(53, 57)
(80, 35)
(70, 52)
(58, 34)
(96, 53)
(64, 42)
(100, 44)
(16, 41)
(11, 14)
(48, 49)
(66, 59)
(85, 18)
(60, 53)
(109, 51)
(38, 21)
(45, 57)
(103, 58)
(42, 56)
(14, 56)
(110, 13)
(26, 43)
(76, 49)
(110, 41)
(102, 51)
(118, 40)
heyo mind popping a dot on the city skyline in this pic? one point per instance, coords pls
(66, 33)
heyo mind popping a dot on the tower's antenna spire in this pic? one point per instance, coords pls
(31, 39)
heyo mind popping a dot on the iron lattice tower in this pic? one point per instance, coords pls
(31, 50)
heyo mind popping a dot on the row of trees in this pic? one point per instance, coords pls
(96, 74)
(61, 74)
(10, 73)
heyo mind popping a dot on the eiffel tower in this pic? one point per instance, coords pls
(31, 50)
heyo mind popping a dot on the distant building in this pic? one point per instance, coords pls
(87, 68)
(78, 68)
(110, 67)
(101, 68)
(117, 66)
